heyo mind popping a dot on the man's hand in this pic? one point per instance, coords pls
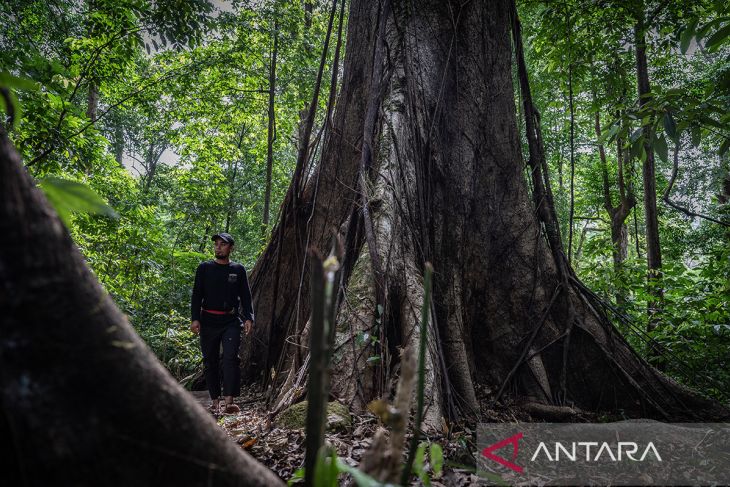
(247, 326)
(195, 327)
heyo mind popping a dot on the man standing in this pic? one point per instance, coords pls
(220, 294)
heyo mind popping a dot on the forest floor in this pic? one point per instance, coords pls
(282, 449)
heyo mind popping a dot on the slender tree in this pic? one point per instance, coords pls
(271, 134)
(653, 248)
(92, 99)
(571, 109)
(618, 213)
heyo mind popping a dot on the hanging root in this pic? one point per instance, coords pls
(671, 400)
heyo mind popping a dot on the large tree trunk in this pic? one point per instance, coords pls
(83, 400)
(424, 164)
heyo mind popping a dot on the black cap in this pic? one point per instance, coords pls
(226, 237)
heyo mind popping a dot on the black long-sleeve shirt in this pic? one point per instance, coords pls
(221, 287)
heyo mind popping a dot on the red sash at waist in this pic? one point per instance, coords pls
(217, 312)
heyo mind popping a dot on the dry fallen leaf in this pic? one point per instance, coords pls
(248, 444)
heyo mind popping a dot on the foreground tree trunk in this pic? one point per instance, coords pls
(84, 401)
(423, 163)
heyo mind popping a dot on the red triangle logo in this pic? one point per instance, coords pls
(512, 440)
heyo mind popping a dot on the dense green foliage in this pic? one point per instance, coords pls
(580, 50)
(161, 108)
(180, 143)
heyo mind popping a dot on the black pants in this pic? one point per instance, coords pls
(212, 333)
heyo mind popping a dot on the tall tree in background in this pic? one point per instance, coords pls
(423, 163)
(626, 201)
(272, 124)
(92, 100)
(653, 248)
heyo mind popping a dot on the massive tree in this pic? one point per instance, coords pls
(83, 401)
(422, 161)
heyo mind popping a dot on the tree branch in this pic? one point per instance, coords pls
(686, 211)
(101, 115)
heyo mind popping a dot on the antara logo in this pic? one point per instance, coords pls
(576, 451)
(512, 440)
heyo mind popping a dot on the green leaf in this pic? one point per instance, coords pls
(326, 469)
(13, 83)
(724, 147)
(660, 146)
(718, 38)
(702, 31)
(670, 126)
(635, 135)
(723, 81)
(711, 122)
(675, 91)
(361, 479)
(7, 80)
(373, 360)
(362, 338)
(68, 197)
(637, 147)
(419, 465)
(687, 34)
(607, 137)
(298, 476)
(696, 135)
(437, 459)
(14, 107)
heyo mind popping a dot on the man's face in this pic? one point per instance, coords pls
(222, 248)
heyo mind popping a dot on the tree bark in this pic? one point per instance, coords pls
(154, 152)
(93, 95)
(308, 8)
(119, 143)
(231, 208)
(445, 184)
(92, 101)
(83, 399)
